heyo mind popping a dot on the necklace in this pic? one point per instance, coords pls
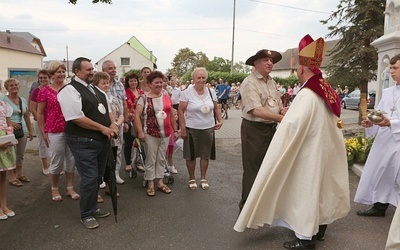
(16, 102)
(394, 102)
(100, 107)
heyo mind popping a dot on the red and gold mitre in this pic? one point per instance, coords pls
(311, 52)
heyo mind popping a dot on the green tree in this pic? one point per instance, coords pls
(219, 64)
(136, 71)
(201, 59)
(241, 67)
(93, 1)
(354, 60)
(184, 61)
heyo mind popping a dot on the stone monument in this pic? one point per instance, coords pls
(388, 45)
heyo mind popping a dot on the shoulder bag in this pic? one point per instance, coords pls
(19, 133)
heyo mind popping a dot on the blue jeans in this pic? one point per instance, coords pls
(90, 158)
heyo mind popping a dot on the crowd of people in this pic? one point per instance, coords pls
(78, 124)
(81, 125)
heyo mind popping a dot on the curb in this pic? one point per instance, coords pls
(357, 169)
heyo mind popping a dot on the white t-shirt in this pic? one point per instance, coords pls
(176, 94)
(194, 116)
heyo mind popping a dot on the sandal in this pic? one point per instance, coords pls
(151, 191)
(140, 168)
(45, 171)
(128, 168)
(204, 184)
(57, 196)
(165, 189)
(99, 199)
(23, 178)
(192, 184)
(74, 195)
(15, 183)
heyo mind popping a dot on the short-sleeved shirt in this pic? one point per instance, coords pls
(35, 94)
(259, 92)
(176, 94)
(34, 86)
(118, 90)
(193, 116)
(131, 100)
(221, 88)
(5, 111)
(53, 116)
(16, 116)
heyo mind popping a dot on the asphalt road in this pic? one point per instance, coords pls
(184, 219)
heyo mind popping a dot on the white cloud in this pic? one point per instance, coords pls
(165, 26)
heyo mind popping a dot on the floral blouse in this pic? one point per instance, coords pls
(53, 116)
(131, 101)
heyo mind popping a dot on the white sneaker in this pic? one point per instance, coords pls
(103, 185)
(173, 170)
(119, 180)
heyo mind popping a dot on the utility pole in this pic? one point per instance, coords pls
(233, 35)
(67, 63)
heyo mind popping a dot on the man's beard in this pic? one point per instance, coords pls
(89, 80)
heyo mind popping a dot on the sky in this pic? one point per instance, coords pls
(166, 26)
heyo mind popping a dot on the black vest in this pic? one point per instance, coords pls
(89, 108)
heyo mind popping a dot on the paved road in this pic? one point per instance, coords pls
(185, 219)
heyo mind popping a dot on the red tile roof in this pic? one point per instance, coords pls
(13, 42)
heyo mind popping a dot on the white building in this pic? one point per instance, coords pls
(21, 56)
(130, 55)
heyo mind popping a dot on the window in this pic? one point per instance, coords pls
(125, 61)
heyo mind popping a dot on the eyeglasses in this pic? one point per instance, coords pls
(43, 77)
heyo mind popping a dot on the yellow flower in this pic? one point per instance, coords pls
(358, 144)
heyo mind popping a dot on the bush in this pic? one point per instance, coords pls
(213, 75)
(288, 81)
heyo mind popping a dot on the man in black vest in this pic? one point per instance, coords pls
(88, 132)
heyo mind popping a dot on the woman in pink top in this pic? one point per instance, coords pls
(44, 79)
(52, 126)
(132, 94)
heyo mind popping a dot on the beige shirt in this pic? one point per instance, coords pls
(259, 92)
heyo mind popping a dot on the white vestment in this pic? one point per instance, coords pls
(380, 180)
(303, 180)
(393, 239)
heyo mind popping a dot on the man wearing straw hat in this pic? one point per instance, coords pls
(303, 181)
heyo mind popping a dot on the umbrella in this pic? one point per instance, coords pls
(109, 177)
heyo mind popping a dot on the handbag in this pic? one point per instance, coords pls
(215, 115)
(19, 133)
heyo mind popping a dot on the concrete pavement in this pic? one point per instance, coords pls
(184, 219)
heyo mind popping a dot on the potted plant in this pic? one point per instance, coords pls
(358, 148)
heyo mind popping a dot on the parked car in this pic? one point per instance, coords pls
(352, 101)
